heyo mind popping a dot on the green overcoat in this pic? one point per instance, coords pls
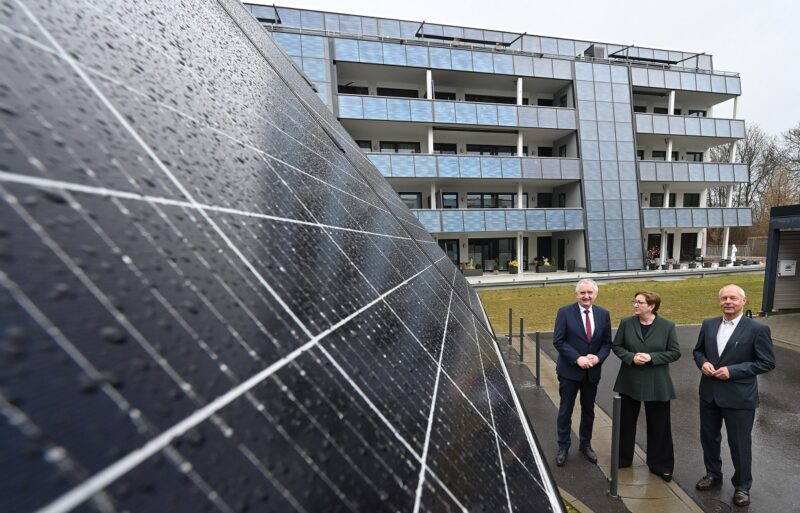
(649, 382)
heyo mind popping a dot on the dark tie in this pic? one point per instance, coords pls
(588, 327)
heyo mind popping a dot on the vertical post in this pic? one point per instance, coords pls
(538, 367)
(521, 336)
(612, 490)
(510, 325)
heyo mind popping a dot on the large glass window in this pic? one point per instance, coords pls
(494, 200)
(660, 110)
(411, 199)
(485, 98)
(449, 200)
(639, 108)
(658, 155)
(396, 92)
(697, 113)
(351, 89)
(444, 148)
(639, 154)
(544, 102)
(544, 200)
(496, 253)
(544, 151)
(694, 156)
(493, 149)
(657, 199)
(691, 199)
(365, 146)
(444, 95)
(399, 147)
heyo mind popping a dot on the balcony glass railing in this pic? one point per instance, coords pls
(696, 217)
(659, 171)
(689, 125)
(473, 166)
(686, 81)
(459, 113)
(501, 220)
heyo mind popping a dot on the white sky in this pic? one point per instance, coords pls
(759, 40)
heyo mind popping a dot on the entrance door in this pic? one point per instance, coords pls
(688, 246)
(562, 251)
(450, 248)
(544, 247)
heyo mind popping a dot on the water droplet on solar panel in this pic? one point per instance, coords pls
(55, 454)
(135, 414)
(37, 164)
(186, 387)
(126, 259)
(228, 432)
(186, 467)
(113, 335)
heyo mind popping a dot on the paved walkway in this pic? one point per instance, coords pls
(776, 446)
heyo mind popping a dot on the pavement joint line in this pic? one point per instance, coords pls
(678, 500)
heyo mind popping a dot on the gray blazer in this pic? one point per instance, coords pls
(748, 353)
(649, 382)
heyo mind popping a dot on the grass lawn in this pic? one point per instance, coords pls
(685, 301)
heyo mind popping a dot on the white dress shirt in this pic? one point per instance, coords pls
(725, 331)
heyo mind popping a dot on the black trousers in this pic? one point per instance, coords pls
(739, 425)
(660, 453)
(568, 390)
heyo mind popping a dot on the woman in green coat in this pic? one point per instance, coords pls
(646, 344)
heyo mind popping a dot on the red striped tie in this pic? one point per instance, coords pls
(588, 327)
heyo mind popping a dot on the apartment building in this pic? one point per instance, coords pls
(513, 146)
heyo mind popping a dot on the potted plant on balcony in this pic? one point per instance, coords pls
(546, 266)
(652, 258)
(513, 267)
(495, 269)
(471, 269)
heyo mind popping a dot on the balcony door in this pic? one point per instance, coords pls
(450, 248)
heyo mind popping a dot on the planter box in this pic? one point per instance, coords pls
(546, 269)
(513, 270)
(707, 264)
(652, 267)
(472, 272)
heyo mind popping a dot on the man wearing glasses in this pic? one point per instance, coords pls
(582, 336)
(731, 352)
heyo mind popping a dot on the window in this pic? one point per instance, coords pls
(639, 154)
(694, 156)
(697, 113)
(351, 89)
(399, 147)
(444, 95)
(365, 145)
(444, 148)
(411, 199)
(485, 98)
(658, 155)
(674, 156)
(396, 92)
(562, 150)
(449, 200)
(494, 200)
(562, 102)
(639, 108)
(544, 151)
(660, 110)
(491, 149)
(677, 112)
(544, 102)
(544, 200)
(691, 199)
(657, 199)
(562, 200)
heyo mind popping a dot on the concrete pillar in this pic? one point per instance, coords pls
(733, 144)
(663, 258)
(520, 199)
(519, 143)
(429, 84)
(519, 90)
(676, 246)
(671, 108)
(520, 240)
(669, 149)
(430, 139)
(433, 195)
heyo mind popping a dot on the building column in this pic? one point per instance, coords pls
(663, 251)
(671, 108)
(519, 90)
(429, 83)
(519, 143)
(430, 140)
(520, 240)
(676, 246)
(669, 149)
(433, 195)
(520, 200)
(726, 235)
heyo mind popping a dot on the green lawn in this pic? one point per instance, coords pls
(686, 301)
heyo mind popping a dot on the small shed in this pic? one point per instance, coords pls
(781, 279)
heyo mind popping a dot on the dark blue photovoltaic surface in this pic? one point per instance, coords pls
(210, 300)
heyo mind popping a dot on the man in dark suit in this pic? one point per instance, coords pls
(582, 336)
(731, 352)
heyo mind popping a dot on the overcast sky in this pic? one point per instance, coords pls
(759, 40)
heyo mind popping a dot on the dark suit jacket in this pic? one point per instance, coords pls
(748, 353)
(569, 337)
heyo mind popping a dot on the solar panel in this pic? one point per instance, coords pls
(211, 301)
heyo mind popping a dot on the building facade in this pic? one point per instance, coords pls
(519, 147)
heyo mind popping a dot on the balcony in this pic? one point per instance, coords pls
(470, 166)
(704, 82)
(459, 113)
(501, 220)
(727, 129)
(696, 217)
(713, 172)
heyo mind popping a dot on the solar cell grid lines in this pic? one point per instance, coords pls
(211, 301)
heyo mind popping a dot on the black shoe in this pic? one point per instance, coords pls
(589, 453)
(561, 457)
(741, 498)
(666, 476)
(708, 482)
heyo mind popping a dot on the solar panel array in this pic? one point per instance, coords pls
(211, 301)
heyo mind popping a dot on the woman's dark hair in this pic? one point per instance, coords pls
(651, 298)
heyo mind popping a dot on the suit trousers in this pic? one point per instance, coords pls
(739, 425)
(660, 452)
(568, 390)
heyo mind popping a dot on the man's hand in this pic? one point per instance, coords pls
(722, 373)
(708, 369)
(584, 362)
(641, 358)
(593, 359)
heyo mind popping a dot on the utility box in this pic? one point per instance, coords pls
(787, 267)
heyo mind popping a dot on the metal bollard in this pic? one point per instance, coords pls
(538, 367)
(521, 336)
(613, 481)
(510, 326)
